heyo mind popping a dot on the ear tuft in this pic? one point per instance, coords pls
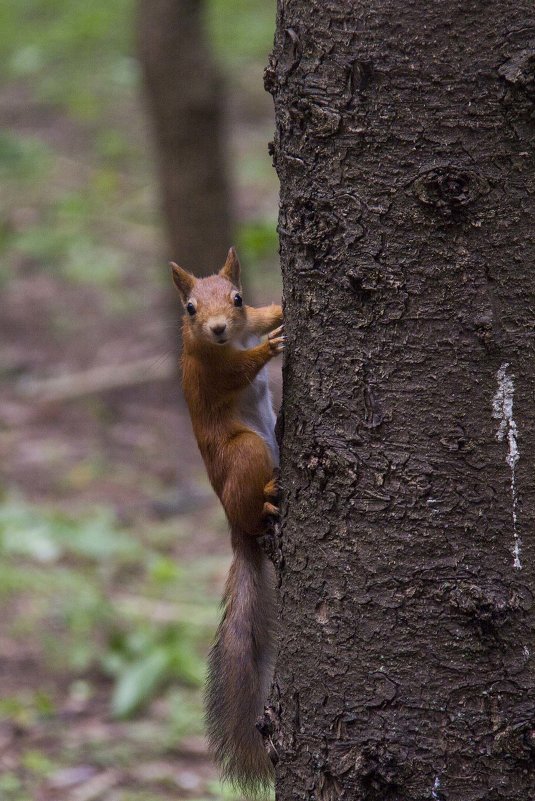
(183, 281)
(231, 268)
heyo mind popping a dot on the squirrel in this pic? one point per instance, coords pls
(226, 388)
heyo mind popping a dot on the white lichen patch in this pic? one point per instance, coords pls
(436, 789)
(502, 410)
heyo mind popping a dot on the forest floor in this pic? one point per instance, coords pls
(113, 549)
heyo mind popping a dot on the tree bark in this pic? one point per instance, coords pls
(185, 97)
(405, 151)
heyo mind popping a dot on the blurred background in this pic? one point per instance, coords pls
(132, 132)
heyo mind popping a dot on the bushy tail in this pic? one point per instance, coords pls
(240, 669)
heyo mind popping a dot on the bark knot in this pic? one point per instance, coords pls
(519, 71)
(322, 121)
(268, 725)
(449, 189)
(270, 75)
(489, 607)
(380, 774)
(517, 740)
(329, 788)
(319, 222)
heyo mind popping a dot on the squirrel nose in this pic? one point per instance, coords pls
(218, 329)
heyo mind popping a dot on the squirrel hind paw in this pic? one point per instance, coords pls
(269, 510)
(272, 490)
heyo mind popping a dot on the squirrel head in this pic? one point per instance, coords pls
(214, 308)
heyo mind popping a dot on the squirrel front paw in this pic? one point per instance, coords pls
(276, 341)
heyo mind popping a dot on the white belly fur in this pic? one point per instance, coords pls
(256, 408)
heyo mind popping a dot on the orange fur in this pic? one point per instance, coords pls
(212, 382)
(215, 372)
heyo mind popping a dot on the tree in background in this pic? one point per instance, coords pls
(404, 147)
(185, 98)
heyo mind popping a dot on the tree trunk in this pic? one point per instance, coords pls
(184, 93)
(404, 148)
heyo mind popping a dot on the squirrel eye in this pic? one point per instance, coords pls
(237, 300)
(190, 308)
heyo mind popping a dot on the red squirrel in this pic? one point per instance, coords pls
(226, 389)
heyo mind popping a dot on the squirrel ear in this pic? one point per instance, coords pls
(183, 281)
(231, 268)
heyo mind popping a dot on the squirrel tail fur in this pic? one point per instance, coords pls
(240, 668)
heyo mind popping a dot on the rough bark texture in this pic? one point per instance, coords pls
(184, 94)
(405, 151)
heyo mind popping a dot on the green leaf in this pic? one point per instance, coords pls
(139, 681)
(258, 240)
(185, 662)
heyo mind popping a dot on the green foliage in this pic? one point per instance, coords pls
(226, 792)
(242, 30)
(146, 659)
(74, 53)
(71, 217)
(186, 714)
(36, 762)
(23, 158)
(70, 234)
(10, 787)
(139, 680)
(49, 535)
(113, 147)
(164, 571)
(67, 568)
(258, 241)
(27, 709)
(64, 243)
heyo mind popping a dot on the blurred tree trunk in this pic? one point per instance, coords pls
(405, 151)
(185, 98)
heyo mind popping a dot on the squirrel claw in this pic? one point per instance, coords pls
(277, 332)
(276, 346)
(272, 490)
(270, 510)
(276, 340)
